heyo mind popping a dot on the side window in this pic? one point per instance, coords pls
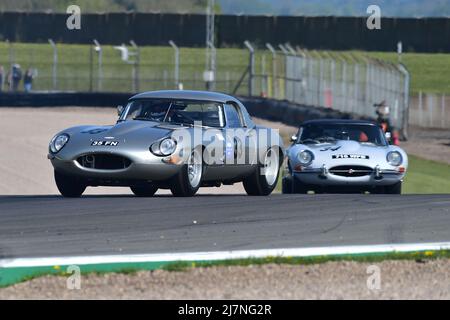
(232, 116)
(248, 120)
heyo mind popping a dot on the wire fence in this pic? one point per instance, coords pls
(430, 110)
(345, 82)
(102, 68)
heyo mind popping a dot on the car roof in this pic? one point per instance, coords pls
(340, 121)
(186, 95)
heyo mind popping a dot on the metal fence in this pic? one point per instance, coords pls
(126, 68)
(345, 82)
(430, 110)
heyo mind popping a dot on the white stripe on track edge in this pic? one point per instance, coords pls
(221, 255)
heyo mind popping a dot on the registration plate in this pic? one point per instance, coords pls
(105, 143)
(350, 156)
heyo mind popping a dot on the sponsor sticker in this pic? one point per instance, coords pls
(349, 156)
(105, 143)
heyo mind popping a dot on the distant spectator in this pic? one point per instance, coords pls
(16, 77)
(1, 78)
(28, 80)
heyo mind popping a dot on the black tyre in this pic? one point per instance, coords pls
(286, 187)
(298, 187)
(69, 186)
(187, 182)
(264, 179)
(394, 189)
(144, 190)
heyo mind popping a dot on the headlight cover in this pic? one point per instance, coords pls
(305, 157)
(58, 142)
(164, 147)
(394, 158)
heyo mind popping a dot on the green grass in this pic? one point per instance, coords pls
(362, 258)
(425, 176)
(156, 67)
(10, 276)
(429, 72)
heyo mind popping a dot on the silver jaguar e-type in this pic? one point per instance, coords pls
(179, 140)
(343, 156)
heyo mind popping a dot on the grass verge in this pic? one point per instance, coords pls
(426, 177)
(11, 276)
(76, 65)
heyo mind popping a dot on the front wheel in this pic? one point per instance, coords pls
(144, 191)
(286, 186)
(394, 189)
(69, 186)
(264, 179)
(187, 182)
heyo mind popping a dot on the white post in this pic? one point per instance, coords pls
(55, 63)
(420, 109)
(177, 64)
(274, 70)
(251, 67)
(99, 50)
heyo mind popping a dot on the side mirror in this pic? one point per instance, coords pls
(388, 136)
(120, 110)
(294, 138)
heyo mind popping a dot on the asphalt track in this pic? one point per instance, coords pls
(42, 226)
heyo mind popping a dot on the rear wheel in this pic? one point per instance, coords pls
(69, 186)
(263, 180)
(187, 182)
(144, 190)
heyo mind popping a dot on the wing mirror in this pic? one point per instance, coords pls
(388, 136)
(294, 138)
(120, 110)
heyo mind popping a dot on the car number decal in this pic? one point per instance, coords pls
(349, 156)
(105, 143)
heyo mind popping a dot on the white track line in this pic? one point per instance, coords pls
(221, 255)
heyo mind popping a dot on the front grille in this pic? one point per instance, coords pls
(351, 171)
(104, 161)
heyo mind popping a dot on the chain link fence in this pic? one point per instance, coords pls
(102, 68)
(430, 110)
(345, 82)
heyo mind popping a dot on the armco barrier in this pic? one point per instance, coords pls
(63, 99)
(269, 109)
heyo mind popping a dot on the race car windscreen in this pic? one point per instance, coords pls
(323, 133)
(177, 112)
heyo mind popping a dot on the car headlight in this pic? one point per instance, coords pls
(164, 147)
(58, 142)
(305, 157)
(394, 158)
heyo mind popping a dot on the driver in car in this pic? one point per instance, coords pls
(157, 112)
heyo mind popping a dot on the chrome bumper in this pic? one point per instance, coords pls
(155, 170)
(322, 177)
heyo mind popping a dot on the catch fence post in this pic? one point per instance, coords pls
(55, 63)
(99, 50)
(177, 64)
(251, 67)
(274, 70)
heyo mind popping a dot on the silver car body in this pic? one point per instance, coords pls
(346, 163)
(130, 140)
